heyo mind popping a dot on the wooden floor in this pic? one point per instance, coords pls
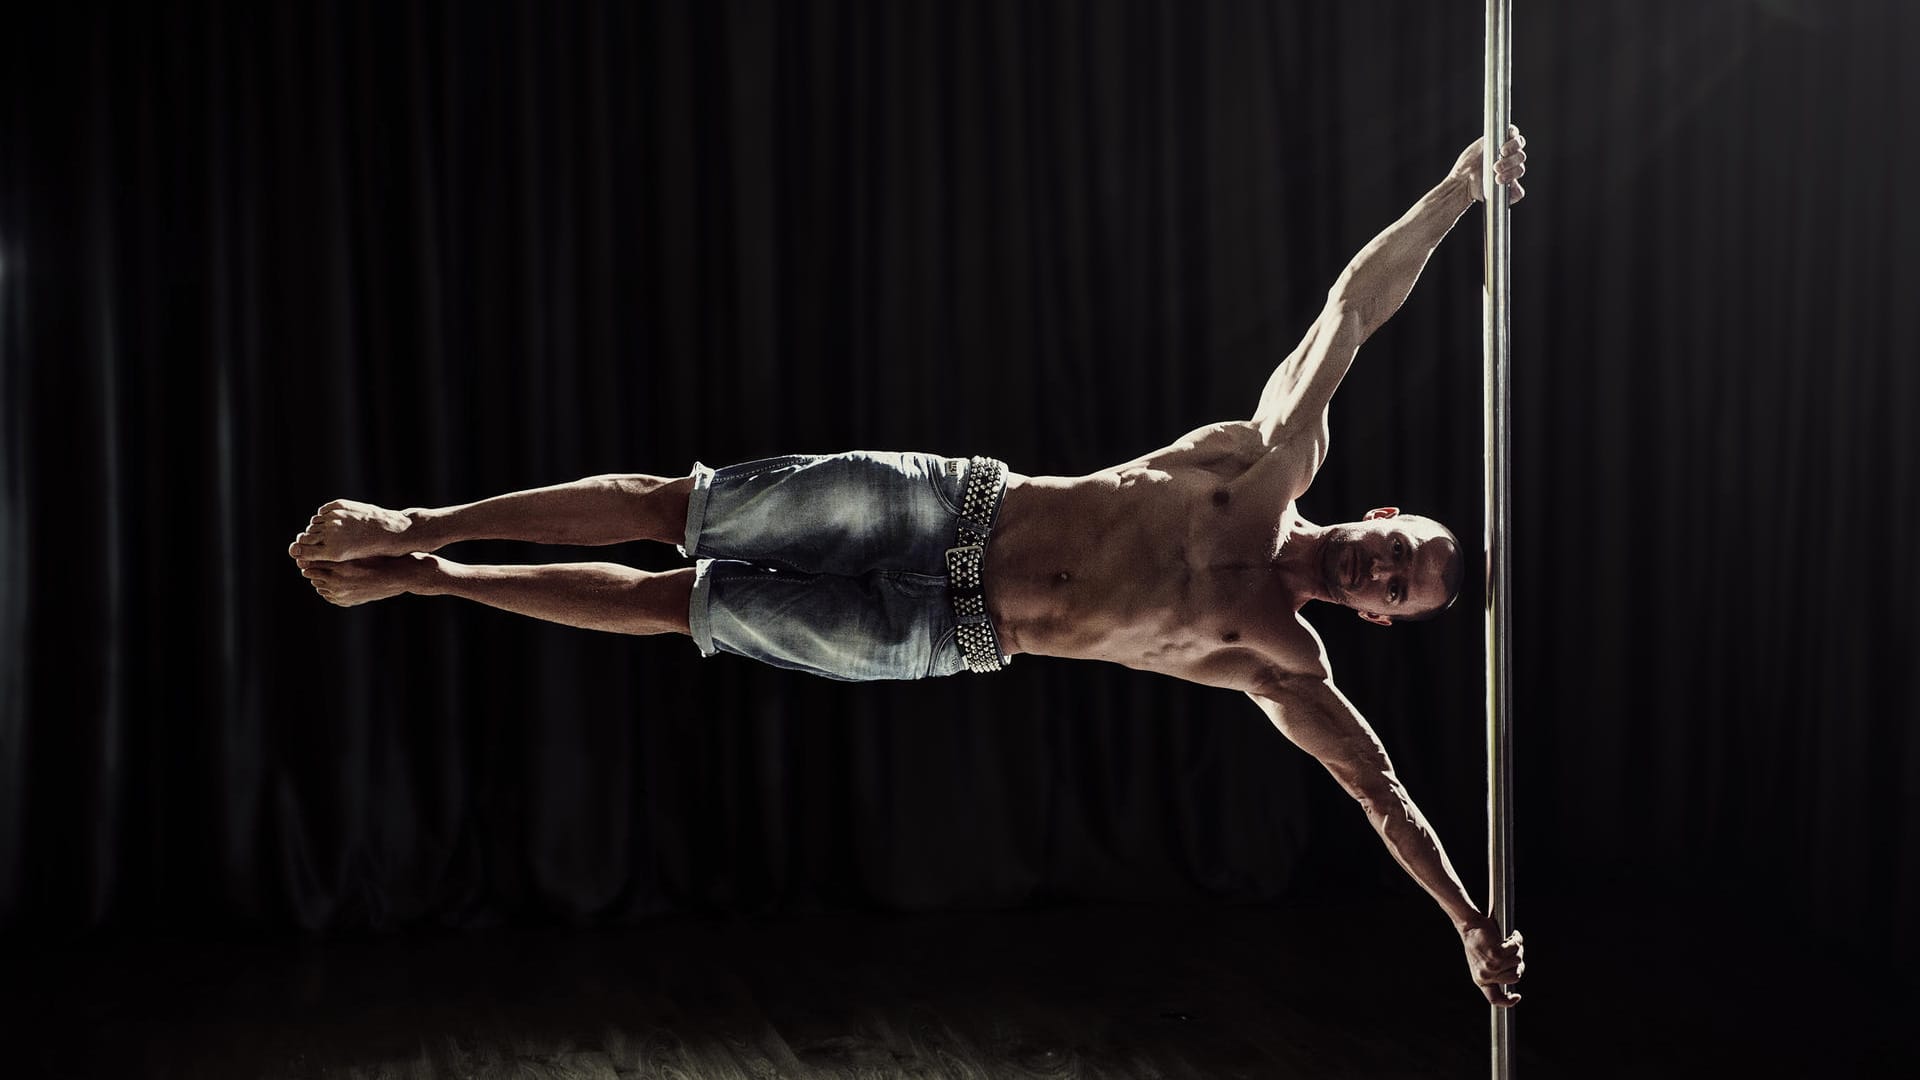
(1303, 991)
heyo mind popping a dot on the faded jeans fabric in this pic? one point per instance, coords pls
(830, 564)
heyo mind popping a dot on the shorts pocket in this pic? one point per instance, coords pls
(945, 476)
(946, 659)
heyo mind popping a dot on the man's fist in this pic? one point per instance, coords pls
(1508, 170)
(1494, 962)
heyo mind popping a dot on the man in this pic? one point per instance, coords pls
(1191, 561)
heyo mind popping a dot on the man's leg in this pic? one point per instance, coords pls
(598, 510)
(592, 596)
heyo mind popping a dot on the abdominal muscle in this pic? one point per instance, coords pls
(1151, 565)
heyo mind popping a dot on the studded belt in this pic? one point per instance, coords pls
(966, 565)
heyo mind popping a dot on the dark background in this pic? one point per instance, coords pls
(260, 257)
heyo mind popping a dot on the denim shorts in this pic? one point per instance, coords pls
(833, 565)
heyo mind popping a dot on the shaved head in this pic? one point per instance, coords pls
(1391, 566)
(1453, 572)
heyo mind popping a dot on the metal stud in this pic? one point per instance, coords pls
(985, 479)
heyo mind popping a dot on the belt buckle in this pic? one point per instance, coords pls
(965, 565)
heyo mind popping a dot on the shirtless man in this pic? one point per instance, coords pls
(1191, 561)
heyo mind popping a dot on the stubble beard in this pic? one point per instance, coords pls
(1332, 561)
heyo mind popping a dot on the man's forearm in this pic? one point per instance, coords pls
(1381, 276)
(1416, 847)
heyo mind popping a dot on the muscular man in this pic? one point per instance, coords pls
(1191, 560)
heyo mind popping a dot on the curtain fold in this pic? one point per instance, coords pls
(256, 258)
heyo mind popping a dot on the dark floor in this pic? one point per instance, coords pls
(1307, 990)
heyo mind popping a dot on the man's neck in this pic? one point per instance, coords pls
(1299, 560)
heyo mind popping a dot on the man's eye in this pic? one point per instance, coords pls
(1393, 594)
(1396, 549)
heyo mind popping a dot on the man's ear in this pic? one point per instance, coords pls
(1377, 620)
(1381, 512)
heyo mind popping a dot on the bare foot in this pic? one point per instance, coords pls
(350, 584)
(344, 530)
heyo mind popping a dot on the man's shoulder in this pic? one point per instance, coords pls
(1298, 651)
(1294, 656)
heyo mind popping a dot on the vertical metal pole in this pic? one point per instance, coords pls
(1498, 109)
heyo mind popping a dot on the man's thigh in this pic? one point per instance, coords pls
(844, 514)
(886, 624)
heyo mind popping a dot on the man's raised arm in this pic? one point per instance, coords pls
(1318, 718)
(1372, 287)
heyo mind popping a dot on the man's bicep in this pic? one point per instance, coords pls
(1317, 718)
(1296, 395)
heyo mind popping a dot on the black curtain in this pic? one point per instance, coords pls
(257, 257)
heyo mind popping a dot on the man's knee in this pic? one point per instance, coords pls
(658, 504)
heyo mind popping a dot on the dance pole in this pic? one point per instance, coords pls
(1498, 108)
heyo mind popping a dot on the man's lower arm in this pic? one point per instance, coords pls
(1381, 276)
(1416, 847)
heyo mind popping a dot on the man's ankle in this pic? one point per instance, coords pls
(427, 528)
(427, 575)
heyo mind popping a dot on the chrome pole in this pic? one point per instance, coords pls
(1496, 325)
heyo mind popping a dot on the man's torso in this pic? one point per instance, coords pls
(1164, 563)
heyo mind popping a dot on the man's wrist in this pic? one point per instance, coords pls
(1475, 919)
(1461, 190)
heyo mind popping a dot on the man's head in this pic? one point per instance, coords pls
(1392, 567)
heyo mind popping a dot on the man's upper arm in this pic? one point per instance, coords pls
(1318, 718)
(1292, 683)
(1296, 395)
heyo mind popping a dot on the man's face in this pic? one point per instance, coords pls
(1386, 566)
